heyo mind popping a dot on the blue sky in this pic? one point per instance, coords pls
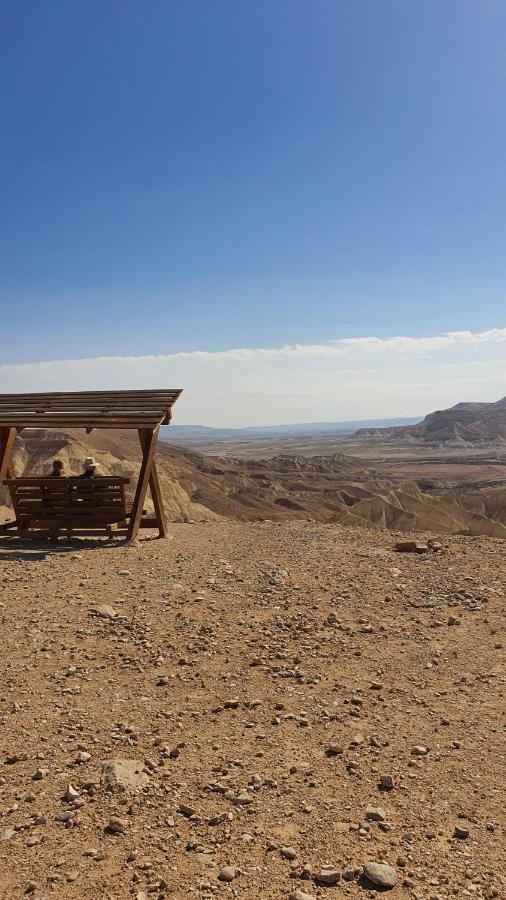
(197, 176)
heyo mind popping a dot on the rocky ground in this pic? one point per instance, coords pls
(251, 711)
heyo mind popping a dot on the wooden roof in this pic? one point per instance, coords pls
(88, 409)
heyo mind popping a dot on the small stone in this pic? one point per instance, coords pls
(380, 874)
(461, 833)
(116, 825)
(104, 611)
(411, 547)
(434, 545)
(186, 810)
(71, 793)
(227, 873)
(328, 875)
(348, 874)
(6, 834)
(33, 841)
(39, 774)
(301, 895)
(375, 814)
(386, 782)
(452, 620)
(334, 750)
(124, 774)
(419, 751)
(243, 799)
(65, 816)
(288, 853)
(83, 756)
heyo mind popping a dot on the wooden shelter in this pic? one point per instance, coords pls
(144, 411)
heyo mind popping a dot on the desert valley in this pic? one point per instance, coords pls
(446, 474)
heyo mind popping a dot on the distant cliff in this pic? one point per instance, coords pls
(465, 423)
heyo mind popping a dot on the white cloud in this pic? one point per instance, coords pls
(349, 378)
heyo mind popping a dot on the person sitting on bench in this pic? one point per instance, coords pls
(58, 469)
(91, 468)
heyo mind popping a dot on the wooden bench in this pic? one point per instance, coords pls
(50, 507)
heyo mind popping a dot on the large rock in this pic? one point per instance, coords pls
(380, 874)
(124, 774)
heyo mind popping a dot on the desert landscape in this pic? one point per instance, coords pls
(274, 702)
(380, 478)
(252, 450)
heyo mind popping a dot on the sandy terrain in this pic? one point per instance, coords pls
(263, 678)
(443, 466)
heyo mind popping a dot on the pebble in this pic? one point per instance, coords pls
(348, 874)
(288, 853)
(7, 833)
(242, 799)
(334, 750)
(71, 793)
(83, 756)
(380, 874)
(65, 816)
(104, 611)
(116, 825)
(461, 833)
(375, 814)
(227, 873)
(328, 875)
(124, 774)
(387, 782)
(186, 810)
(301, 895)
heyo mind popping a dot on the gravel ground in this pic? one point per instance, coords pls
(293, 702)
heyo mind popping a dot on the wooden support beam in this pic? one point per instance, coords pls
(7, 438)
(154, 487)
(149, 448)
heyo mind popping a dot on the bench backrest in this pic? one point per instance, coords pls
(100, 499)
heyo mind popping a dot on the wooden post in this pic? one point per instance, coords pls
(156, 493)
(150, 439)
(7, 438)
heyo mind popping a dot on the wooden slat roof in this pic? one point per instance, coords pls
(88, 409)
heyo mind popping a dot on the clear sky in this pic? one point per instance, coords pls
(205, 176)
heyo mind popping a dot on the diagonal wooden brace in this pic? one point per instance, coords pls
(150, 440)
(154, 487)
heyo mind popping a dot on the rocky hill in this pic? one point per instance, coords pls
(464, 423)
(337, 488)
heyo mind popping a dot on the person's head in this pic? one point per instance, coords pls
(90, 465)
(57, 467)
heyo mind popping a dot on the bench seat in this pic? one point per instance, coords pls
(50, 506)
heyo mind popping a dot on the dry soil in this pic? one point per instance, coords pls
(263, 678)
